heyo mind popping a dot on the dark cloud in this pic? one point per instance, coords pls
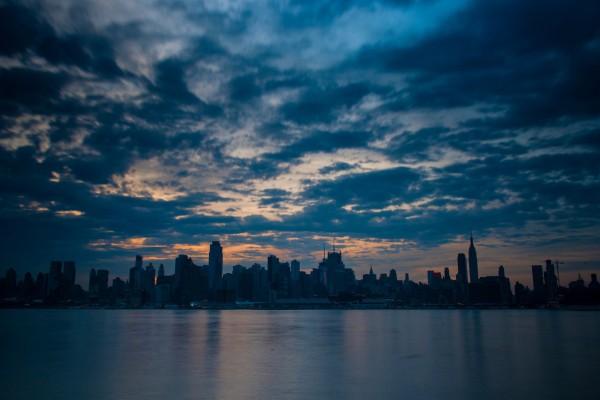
(368, 190)
(89, 51)
(33, 90)
(244, 88)
(327, 142)
(170, 82)
(536, 59)
(274, 197)
(15, 18)
(318, 104)
(337, 167)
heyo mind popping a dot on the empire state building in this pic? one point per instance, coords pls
(473, 269)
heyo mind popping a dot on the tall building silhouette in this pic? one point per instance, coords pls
(93, 286)
(102, 282)
(183, 281)
(538, 284)
(336, 277)
(473, 268)
(462, 268)
(295, 265)
(272, 268)
(215, 266)
(69, 272)
(136, 274)
(551, 282)
(54, 278)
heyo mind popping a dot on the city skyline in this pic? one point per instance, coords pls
(390, 128)
(284, 284)
(462, 271)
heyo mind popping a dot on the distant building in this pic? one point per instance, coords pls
(473, 267)
(92, 285)
(539, 296)
(54, 279)
(69, 272)
(551, 282)
(136, 275)
(462, 276)
(102, 283)
(215, 266)
(295, 265)
(335, 276)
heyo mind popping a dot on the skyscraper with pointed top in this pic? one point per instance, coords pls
(473, 268)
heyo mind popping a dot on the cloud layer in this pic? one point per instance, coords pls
(393, 126)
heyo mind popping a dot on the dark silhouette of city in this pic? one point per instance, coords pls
(283, 285)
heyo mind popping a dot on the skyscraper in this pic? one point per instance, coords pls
(295, 264)
(182, 281)
(69, 272)
(69, 277)
(102, 282)
(538, 284)
(462, 268)
(136, 274)
(215, 266)
(473, 268)
(272, 269)
(551, 282)
(54, 277)
(93, 286)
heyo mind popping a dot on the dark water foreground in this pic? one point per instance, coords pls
(315, 354)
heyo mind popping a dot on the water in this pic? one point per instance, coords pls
(329, 354)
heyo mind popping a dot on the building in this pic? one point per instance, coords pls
(334, 274)
(295, 265)
(215, 266)
(69, 273)
(92, 285)
(539, 296)
(136, 274)
(551, 282)
(54, 279)
(462, 276)
(102, 283)
(473, 267)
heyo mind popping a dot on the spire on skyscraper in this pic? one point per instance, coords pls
(473, 266)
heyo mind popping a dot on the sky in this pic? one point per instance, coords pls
(388, 128)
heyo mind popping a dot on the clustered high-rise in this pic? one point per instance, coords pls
(284, 283)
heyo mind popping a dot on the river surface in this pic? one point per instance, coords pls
(299, 354)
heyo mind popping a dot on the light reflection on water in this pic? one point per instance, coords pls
(352, 354)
